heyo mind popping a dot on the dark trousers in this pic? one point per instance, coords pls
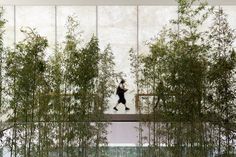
(121, 98)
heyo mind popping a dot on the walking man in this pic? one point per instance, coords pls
(121, 93)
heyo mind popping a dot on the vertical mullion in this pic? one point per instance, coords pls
(15, 108)
(96, 21)
(137, 29)
(137, 78)
(137, 40)
(56, 28)
(178, 23)
(14, 27)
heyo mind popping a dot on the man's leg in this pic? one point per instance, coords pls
(124, 102)
(116, 106)
(119, 101)
(126, 108)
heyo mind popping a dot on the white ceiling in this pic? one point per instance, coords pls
(106, 2)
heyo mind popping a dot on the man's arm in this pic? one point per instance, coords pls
(122, 86)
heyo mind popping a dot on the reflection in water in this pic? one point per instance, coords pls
(65, 139)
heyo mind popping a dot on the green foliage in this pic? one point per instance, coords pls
(191, 78)
(104, 86)
(2, 52)
(26, 69)
(221, 76)
(87, 76)
(26, 72)
(179, 64)
(72, 88)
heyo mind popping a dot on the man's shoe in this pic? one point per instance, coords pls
(115, 108)
(126, 108)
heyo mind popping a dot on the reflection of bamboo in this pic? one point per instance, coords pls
(26, 127)
(14, 126)
(60, 136)
(12, 139)
(39, 140)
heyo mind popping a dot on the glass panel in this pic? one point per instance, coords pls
(231, 12)
(123, 134)
(151, 21)
(86, 16)
(8, 15)
(208, 22)
(8, 42)
(117, 25)
(42, 18)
